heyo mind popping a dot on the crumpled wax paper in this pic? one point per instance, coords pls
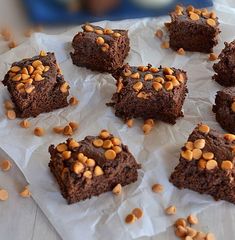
(103, 217)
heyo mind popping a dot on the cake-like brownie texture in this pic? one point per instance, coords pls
(225, 68)
(193, 29)
(99, 7)
(92, 166)
(99, 49)
(206, 164)
(149, 93)
(224, 109)
(36, 85)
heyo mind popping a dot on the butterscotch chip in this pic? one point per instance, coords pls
(64, 87)
(210, 236)
(104, 134)
(187, 154)
(130, 122)
(66, 155)
(165, 45)
(119, 86)
(170, 77)
(3, 195)
(30, 69)
(99, 31)
(199, 143)
(202, 163)
(78, 167)
(159, 80)
(15, 69)
(138, 86)
(227, 165)
(117, 190)
(193, 16)
(147, 128)
(181, 231)
(130, 218)
(116, 141)
(181, 51)
(117, 35)
(38, 131)
(197, 153)
(212, 57)
(36, 63)
(127, 72)
(68, 131)
(211, 164)
(200, 236)
(175, 82)
(110, 154)
(12, 44)
(192, 219)
(73, 144)
(211, 22)
(171, 210)
(58, 130)
(148, 77)
(90, 162)
(168, 71)
(8, 105)
(204, 128)
(143, 68)
(157, 86)
(233, 107)
(178, 7)
(138, 213)
(25, 193)
(189, 145)
(25, 123)
(11, 114)
(98, 142)
(188, 238)
(100, 41)
(89, 28)
(43, 53)
(107, 144)
(117, 149)
(73, 101)
(208, 155)
(168, 86)
(229, 137)
(190, 8)
(159, 34)
(105, 47)
(191, 232)
(157, 188)
(180, 222)
(150, 121)
(87, 174)
(5, 165)
(73, 125)
(135, 75)
(108, 31)
(98, 171)
(29, 88)
(62, 147)
(154, 70)
(213, 15)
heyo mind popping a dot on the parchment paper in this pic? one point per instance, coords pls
(103, 217)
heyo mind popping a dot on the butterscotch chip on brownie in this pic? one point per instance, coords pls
(84, 169)
(193, 29)
(35, 85)
(149, 93)
(99, 49)
(211, 174)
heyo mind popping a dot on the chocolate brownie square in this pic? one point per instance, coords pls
(206, 164)
(36, 85)
(225, 68)
(193, 29)
(99, 49)
(149, 93)
(224, 109)
(92, 166)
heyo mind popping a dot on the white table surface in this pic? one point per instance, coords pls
(22, 219)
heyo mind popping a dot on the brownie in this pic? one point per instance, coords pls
(225, 68)
(224, 109)
(99, 49)
(92, 166)
(149, 93)
(206, 164)
(99, 7)
(36, 85)
(193, 29)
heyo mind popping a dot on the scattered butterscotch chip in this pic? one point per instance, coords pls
(233, 107)
(204, 128)
(171, 210)
(147, 128)
(130, 218)
(98, 171)
(64, 87)
(3, 195)
(8, 105)
(197, 153)
(110, 154)
(5, 165)
(192, 219)
(66, 155)
(138, 86)
(137, 212)
(78, 167)
(229, 137)
(200, 143)
(191, 232)
(210, 236)
(73, 101)
(100, 41)
(98, 142)
(180, 222)
(208, 155)
(25, 193)
(117, 190)
(189, 145)
(181, 51)
(89, 28)
(180, 231)
(165, 45)
(130, 122)
(211, 22)
(73, 144)
(135, 75)
(104, 134)
(168, 86)
(212, 57)
(159, 34)
(68, 131)
(58, 129)
(62, 147)
(117, 149)
(193, 16)
(227, 165)
(148, 77)
(12, 44)
(25, 123)
(87, 174)
(211, 164)
(38, 131)
(107, 144)
(11, 114)
(187, 154)
(157, 86)
(157, 188)
(202, 163)
(73, 125)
